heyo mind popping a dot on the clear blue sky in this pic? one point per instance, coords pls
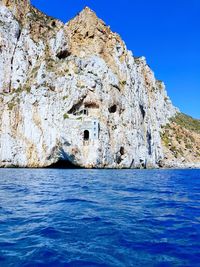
(166, 32)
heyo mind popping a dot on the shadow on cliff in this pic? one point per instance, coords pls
(64, 162)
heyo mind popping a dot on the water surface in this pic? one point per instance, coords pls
(55, 217)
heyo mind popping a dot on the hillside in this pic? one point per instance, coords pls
(181, 141)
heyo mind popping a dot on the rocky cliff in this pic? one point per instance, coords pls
(74, 93)
(181, 142)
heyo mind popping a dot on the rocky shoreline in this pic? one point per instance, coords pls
(73, 92)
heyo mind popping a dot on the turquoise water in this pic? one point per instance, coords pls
(55, 217)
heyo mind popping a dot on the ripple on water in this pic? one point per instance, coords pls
(99, 218)
(76, 200)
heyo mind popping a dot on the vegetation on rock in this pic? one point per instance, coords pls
(181, 139)
(187, 122)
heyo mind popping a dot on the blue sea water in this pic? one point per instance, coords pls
(60, 217)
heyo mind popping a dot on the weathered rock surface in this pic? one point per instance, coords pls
(74, 92)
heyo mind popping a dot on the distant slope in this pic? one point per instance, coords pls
(181, 141)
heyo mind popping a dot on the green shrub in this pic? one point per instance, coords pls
(11, 105)
(187, 122)
(65, 116)
(124, 82)
(65, 97)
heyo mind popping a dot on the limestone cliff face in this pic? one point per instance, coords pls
(74, 92)
(19, 8)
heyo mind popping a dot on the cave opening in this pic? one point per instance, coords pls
(113, 109)
(122, 150)
(63, 164)
(75, 108)
(63, 54)
(53, 24)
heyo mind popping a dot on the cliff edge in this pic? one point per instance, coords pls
(73, 93)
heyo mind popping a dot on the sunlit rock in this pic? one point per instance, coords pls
(74, 92)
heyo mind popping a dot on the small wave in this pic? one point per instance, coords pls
(91, 219)
(85, 187)
(130, 221)
(139, 190)
(6, 244)
(48, 232)
(2, 258)
(80, 263)
(76, 200)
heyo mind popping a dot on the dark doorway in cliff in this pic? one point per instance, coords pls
(112, 109)
(63, 164)
(86, 135)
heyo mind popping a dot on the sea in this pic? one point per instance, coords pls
(78, 217)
